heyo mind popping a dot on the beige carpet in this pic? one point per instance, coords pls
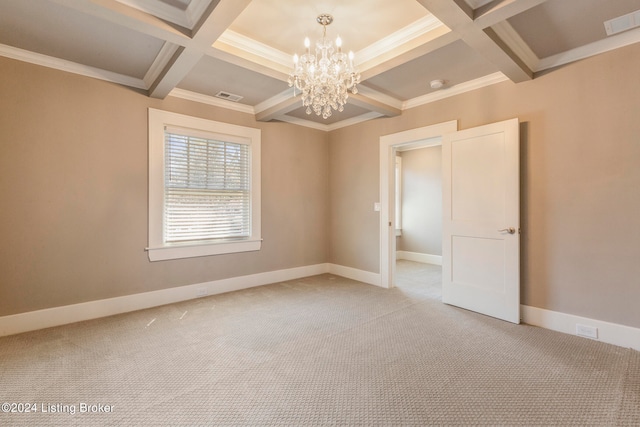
(318, 351)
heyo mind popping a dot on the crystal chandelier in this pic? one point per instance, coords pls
(325, 76)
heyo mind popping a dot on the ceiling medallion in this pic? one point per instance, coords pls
(325, 76)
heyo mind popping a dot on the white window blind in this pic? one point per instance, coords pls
(204, 187)
(207, 187)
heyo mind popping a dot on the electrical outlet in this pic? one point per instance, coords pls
(202, 292)
(587, 331)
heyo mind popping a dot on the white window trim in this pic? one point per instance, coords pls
(158, 250)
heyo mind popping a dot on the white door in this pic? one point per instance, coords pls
(481, 220)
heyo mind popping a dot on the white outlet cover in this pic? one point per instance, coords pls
(587, 331)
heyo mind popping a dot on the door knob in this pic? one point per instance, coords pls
(509, 230)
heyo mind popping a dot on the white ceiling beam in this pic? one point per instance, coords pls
(374, 105)
(458, 16)
(215, 20)
(494, 49)
(253, 55)
(510, 36)
(180, 63)
(281, 108)
(501, 10)
(459, 6)
(159, 63)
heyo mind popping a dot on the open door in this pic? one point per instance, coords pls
(481, 220)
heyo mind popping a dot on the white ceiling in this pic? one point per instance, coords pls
(197, 48)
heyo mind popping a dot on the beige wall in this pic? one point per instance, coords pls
(73, 183)
(580, 163)
(421, 201)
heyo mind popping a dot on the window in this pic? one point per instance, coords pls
(204, 187)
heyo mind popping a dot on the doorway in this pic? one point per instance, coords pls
(418, 216)
(480, 188)
(428, 136)
(418, 211)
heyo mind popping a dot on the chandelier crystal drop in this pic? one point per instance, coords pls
(325, 76)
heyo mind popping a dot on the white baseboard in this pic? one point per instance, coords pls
(611, 333)
(355, 274)
(419, 257)
(40, 319)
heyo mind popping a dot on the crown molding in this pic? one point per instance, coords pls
(287, 94)
(273, 101)
(70, 67)
(302, 122)
(385, 45)
(404, 35)
(254, 47)
(328, 128)
(211, 100)
(591, 49)
(354, 120)
(379, 96)
(481, 82)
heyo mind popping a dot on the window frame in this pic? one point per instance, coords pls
(158, 249)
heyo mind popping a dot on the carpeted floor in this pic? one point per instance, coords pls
(322, 350)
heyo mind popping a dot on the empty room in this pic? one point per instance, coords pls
(288, 212)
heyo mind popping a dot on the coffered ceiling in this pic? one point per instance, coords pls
(196, 49)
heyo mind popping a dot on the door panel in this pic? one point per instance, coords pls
(478, 262)
(477, 191)
(481, 258)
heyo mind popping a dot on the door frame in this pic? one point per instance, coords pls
(388, 146)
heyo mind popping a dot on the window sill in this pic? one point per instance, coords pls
(164, 253)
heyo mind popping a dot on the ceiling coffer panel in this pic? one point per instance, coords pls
(211, 76)
(557, 26)
(455, 63)
(50, 29)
